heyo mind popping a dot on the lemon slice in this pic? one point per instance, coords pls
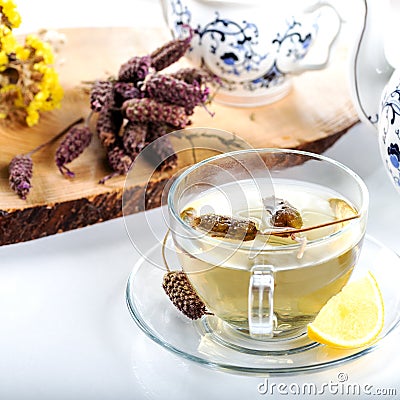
(353, 318)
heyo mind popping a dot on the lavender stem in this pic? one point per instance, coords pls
(63, 132)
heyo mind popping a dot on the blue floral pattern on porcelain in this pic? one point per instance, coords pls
(254, 47)
(235, 51)
(389, 129)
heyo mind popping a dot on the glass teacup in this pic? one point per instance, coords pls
(264, 275)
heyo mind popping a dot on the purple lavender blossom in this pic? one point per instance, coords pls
(20, 174)
(74, 143)
(135, 69)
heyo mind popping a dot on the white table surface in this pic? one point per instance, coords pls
(65, 331)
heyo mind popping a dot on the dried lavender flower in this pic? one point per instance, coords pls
(134, 138)
(21, 166)
(192, 75)
(74, 143)
(108, 125)
(167, 89)
(125, 91)
(100, 94)
(156, 130)
(20, 174)
(135, 69)
(119, 161)
(150, 110)
(161, 152)
(170, 52)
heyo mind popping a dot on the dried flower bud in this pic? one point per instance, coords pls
(74, 143)
(100, 94)
(226, 227)
(162, 154)
(174, 91)
(150, 110)
(287, 216)
(34, 88)
(119, 161)
(134, 138)
(135, 69)
(192, 75)
(161, 151)
(137, 136)
(37, 76)
(171, 52)
(108, 125)
(182, 294)
(20, 174)
(125, 91)
(282, 213)
(156, 130)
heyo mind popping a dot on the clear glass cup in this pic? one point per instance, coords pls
(267, 287)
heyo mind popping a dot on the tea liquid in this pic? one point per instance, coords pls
(219, 269)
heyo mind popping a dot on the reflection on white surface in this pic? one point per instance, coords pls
(168, 377)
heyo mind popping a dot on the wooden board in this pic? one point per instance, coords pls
(312, 117)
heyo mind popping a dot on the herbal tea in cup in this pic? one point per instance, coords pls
(267, 237)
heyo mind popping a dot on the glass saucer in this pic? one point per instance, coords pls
(199, 341)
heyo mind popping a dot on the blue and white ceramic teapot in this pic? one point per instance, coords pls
(375, 78)
(255, 46)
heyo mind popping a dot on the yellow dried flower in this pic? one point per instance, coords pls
(29, 83)
(7, 88)
(40, 48)
(9, 15)
(3, 60)
(8, 43)
(22, 53)
(33, 115)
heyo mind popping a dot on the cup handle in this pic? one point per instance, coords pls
(261, 301)
(321, 44)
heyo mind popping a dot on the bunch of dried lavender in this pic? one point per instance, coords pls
(142, 104)
(133, 110)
